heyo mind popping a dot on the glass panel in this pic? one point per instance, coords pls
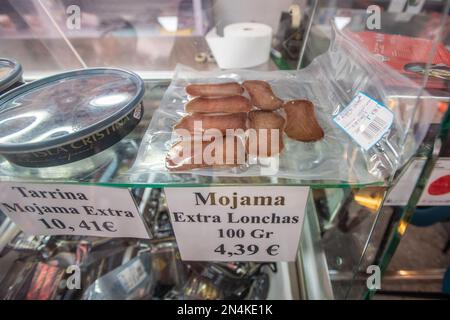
(407, 38)
(149, 37)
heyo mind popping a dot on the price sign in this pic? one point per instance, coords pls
(437, 191)
(237, 223)
(402, 190)
(58, 209)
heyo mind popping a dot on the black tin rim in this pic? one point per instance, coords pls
(14, 76)
(80, 149)
(86, 132)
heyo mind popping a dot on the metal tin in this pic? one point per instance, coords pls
(10, 75)
(69, 117)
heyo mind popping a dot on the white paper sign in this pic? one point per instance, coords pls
(254, 223)
(58, 209)
(402, 190)
(437, 191)
(365, 120)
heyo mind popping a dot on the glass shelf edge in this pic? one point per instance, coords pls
(192, 185)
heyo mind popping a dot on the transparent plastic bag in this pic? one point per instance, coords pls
(329, 82)
(133, 280)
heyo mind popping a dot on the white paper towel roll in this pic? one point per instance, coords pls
(243, 45)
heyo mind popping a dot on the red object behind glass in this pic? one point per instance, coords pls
(408, 56)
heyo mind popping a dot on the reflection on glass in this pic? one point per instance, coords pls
(169, 23)
(35, 118)
(110, 100)
(369, 199)
(4, 72)
(53, 133)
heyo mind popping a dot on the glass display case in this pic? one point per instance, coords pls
(393, 53)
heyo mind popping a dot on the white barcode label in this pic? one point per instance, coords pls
(365, 120)
(132, 276)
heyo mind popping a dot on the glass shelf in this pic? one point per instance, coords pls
(112, 166)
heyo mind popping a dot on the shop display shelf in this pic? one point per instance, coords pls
(118, 172)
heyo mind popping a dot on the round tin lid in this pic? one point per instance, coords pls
(65, 108)
(10, 73)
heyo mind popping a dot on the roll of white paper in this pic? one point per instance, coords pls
(243, 45)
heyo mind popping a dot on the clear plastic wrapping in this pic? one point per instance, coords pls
(329, 82)
(133, 280)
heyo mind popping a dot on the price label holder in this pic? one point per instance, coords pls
(261, 223)
(60, 209)
(365, 120)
